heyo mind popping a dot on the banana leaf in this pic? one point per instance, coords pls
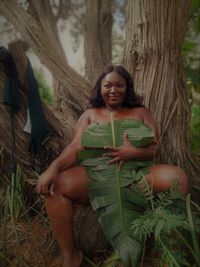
(98, 135)
(117, 204)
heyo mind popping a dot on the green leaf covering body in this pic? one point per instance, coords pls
(100, 134)
(117, 204)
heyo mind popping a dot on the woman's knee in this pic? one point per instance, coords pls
(72, 183)
(64, 184)
(163, 177)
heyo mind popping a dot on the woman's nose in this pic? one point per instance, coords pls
(113, 88)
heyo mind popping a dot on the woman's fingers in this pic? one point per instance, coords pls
(51, 190)
(39, 188)
(121, 163)
(126, 138)
(110, 154)
(113, 160)
(117, 159)
(42, 188)
(47, 188)
(111, 148)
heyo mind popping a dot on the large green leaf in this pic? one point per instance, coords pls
(112, 134)
(110, 194)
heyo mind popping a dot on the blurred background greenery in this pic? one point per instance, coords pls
(191, 58)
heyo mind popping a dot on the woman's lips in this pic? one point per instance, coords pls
(113, 97)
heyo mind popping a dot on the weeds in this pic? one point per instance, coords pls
(23, 225)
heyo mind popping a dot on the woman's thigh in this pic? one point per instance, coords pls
(73, 183)
(162, 177)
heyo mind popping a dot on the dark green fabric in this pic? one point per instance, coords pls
(11, 93)
(40, 131)
(11, 97)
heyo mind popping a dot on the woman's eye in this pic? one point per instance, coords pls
(107, 85)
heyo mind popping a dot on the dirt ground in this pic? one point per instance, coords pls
(31, 244)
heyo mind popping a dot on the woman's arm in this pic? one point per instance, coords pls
(66, 159)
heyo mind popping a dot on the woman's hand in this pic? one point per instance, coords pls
(122, 153)
(46, 181)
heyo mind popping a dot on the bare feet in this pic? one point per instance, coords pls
(74, 261)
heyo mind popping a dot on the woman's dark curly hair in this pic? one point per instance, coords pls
(131, 99)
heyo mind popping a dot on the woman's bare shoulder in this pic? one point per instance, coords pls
(141, 110)
(91, 111)
(88, 114)
(138, 112)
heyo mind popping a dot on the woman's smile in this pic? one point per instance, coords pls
(114, 97)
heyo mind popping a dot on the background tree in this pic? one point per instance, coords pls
(97, 37)
(152, 55)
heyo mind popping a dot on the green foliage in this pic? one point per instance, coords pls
(110, 193)
(194, 129)
(112, 261)
(175, 226)
(14, 203)
(112, 134)
(44, 89)
(194, 15)
(190, 47)
(191, 57)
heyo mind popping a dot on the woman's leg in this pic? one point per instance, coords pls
(162, 176)
(71, 186)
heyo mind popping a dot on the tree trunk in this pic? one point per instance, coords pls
(154, 34)
(97, 37)
(39, 30)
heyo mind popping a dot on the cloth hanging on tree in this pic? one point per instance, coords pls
(40, 131)
(11, 95)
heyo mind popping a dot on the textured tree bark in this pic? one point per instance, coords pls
(154, 34)
(87, 232)
(39, 30)
(97, 37)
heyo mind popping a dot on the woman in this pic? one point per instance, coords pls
(65, 183)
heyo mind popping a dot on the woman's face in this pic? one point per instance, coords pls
(113, 90)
